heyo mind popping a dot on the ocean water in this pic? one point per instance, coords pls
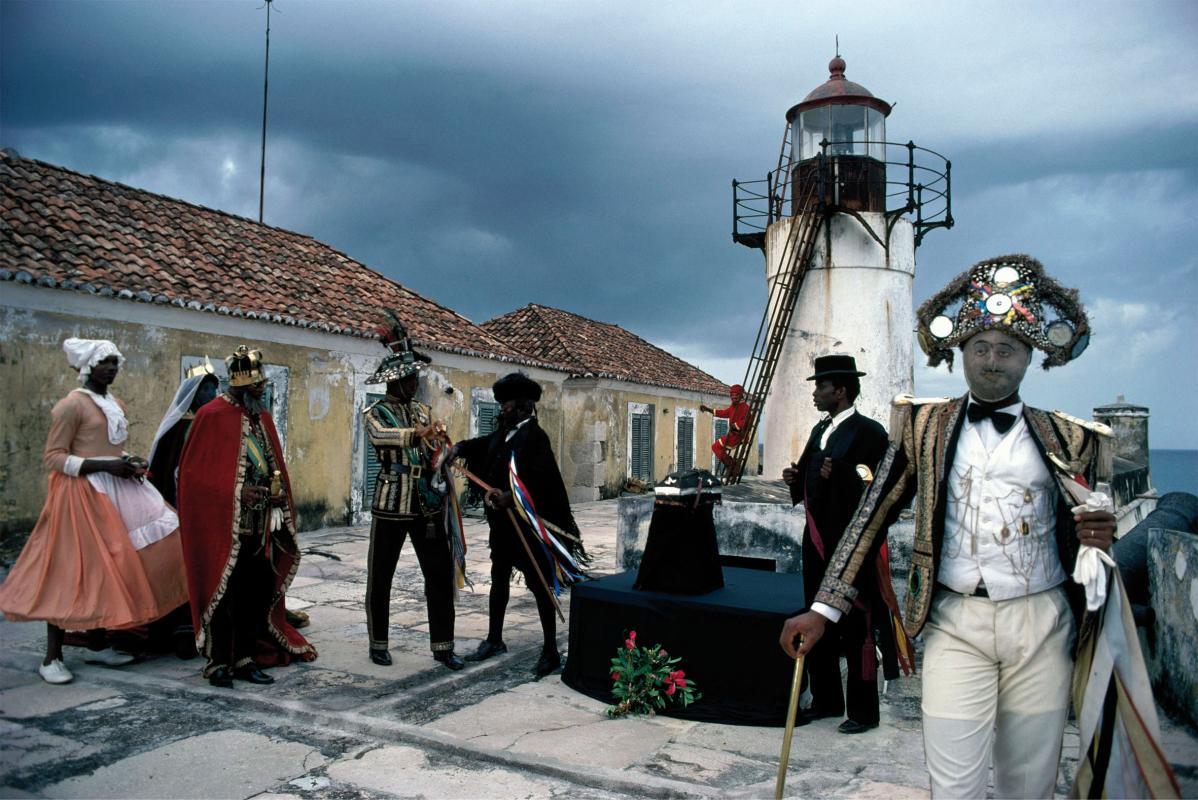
(1174, 470)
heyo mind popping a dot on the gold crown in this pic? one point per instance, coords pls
(245, 367)
(204, 368)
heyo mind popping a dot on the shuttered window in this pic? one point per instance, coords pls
(686, 443)
(371, 461)
(720, 428)
(488, 417)
(640, 461)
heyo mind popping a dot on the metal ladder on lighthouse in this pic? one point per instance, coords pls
(808, 211)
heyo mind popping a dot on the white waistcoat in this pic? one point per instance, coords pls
(1000, 518)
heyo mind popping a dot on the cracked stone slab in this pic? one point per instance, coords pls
(22, 747)
(703, 765)
(221, 764)
(407, 772)
(625, 741)
(39, 699)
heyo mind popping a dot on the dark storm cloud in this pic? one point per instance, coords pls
(580, 155)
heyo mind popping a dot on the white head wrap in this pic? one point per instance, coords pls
(83, 354)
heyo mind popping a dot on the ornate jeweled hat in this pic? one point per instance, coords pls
(402, 360)
(1010, 294)
(245, 367)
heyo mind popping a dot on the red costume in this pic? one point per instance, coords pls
(737, 415)
(212, 472)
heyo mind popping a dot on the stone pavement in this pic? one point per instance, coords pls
(342, 727)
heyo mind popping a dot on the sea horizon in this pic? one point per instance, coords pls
(1173, 470)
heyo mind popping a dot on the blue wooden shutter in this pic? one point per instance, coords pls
(488, 417)
(686, 443)
(640, 461)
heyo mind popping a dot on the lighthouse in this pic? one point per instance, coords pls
(838, 221)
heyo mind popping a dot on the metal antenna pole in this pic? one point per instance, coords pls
(265, 88)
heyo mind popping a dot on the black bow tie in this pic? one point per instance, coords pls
(1002, 420)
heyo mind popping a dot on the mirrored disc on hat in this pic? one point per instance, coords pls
(998, 303)
(1083, 342)
(1005, 275)
(1060, 333)
(941, 327)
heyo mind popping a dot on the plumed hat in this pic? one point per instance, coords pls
(835, 365)
(1010, 294)
(516, 386)
(245, 367)
(402, 360)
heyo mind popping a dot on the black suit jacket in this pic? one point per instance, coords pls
(832, 501)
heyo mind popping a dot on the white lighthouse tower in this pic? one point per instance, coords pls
(838, 222)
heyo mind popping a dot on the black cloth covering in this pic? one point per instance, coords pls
(727, 640)
(166, 459)
(681, 553)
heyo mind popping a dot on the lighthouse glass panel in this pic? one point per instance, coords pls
(813, 128)
(876, 135)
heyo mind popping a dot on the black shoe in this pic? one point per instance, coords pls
(250, 673)
(853, 726)
(297, 619)
(486, 650)
(808, 716)
(380, 656)
(221, 676)
(450, 659)
(548, 662)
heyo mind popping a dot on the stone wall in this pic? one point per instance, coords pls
(1173, 578)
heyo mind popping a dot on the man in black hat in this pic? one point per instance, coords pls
(406, 504)
(489, 457)
(843, 451)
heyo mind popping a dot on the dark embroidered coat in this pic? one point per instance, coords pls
(916, 466)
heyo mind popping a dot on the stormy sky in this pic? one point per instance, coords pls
(580, 154)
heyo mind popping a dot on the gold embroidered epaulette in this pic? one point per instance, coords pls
(911, 400)
(1088, 424)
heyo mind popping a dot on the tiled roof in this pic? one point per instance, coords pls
(72, 231)
(597, 349)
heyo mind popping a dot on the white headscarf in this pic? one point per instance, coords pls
(83, 354)
(179, 406)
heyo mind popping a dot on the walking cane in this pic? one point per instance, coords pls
(520, 535)
(791, 711)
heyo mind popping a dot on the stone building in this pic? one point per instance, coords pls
(171, 282)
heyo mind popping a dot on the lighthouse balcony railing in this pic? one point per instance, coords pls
(919, 185)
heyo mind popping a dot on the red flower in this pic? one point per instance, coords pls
(681, 682)
(630, 644)
(670, 689)
(615, 676)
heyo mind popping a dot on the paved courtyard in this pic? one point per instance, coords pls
(342, 727)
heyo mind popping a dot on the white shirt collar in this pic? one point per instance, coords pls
(836, 422)
(518, 426)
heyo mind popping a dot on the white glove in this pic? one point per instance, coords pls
(1089, 570)
(276, 519)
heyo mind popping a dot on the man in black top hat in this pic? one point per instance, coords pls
(829, 478)
(406, 503)
(489, 457)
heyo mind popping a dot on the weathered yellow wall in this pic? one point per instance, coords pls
(34, 374)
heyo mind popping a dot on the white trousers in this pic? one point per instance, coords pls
(996, 679)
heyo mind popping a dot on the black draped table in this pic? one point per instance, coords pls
(727, 640)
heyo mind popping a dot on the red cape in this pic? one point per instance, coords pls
(211, 474)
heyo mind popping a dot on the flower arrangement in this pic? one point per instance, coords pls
(645, 679)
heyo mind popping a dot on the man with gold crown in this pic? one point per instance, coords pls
(238, 526)
(408, 501)
(999, 528)
(105, 551)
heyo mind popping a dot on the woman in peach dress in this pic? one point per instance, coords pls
(105, 552)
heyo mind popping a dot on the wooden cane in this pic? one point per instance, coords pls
(520, 535)
(791, 712)
(487, 487)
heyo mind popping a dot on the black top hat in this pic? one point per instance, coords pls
(834, 365)
(516, 386)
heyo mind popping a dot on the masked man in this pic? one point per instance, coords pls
(520, 448)
(406, 504)
(995, 537)
(238, 529)
(105, 551)
(737, 414)
(829, 479)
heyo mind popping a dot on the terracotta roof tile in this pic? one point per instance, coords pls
(69, 230)
(587, 347)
